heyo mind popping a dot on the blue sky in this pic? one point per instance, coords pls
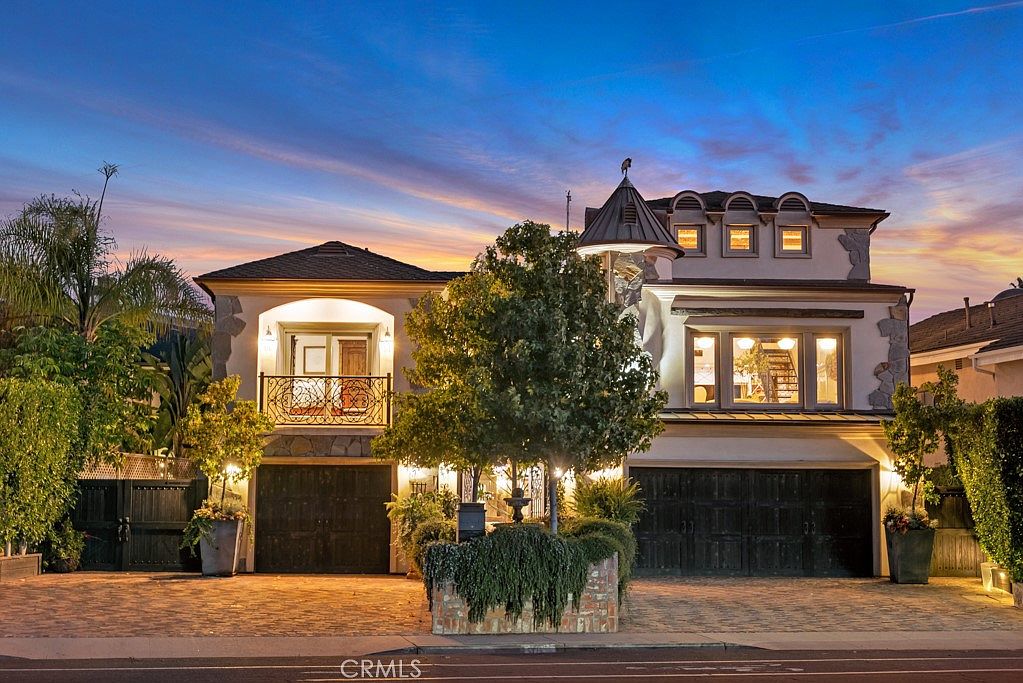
(422, 130)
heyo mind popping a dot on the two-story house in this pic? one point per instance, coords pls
(778, 354)
(780, 358)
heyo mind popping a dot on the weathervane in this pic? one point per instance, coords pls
(626, 165)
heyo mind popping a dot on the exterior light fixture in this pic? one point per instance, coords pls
(786, 343)
(386, 343)
(268, 343)
(745, 343)
(705, 342)
(232, 470)
(827, 343)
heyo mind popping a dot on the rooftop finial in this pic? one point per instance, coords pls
(626, 165)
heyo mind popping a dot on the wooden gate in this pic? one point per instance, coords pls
(136, 525)
(956, 550)
(751, 522)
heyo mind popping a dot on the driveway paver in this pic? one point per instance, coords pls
(144, 604)
(101, 604)
(733, 605)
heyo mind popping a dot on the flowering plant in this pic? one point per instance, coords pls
(201, 524)
(900, 520)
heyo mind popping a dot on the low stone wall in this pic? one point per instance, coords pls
(597, 609)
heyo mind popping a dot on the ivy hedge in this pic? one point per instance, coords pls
(516, 563)
(987, 447)
(38, 428)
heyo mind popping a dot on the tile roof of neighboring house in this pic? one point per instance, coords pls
(715, 201)
(948, 329)
(329, 261)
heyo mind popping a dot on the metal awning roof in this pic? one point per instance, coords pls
(773, 417)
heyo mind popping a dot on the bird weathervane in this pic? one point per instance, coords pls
(626, 165)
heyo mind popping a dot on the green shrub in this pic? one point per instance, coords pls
(38, 426)
(513, 564)
(622, 535)
(946, 478)
(409, 511)
(988, 451)
(426, 534)
(614, 499)
(63, 548)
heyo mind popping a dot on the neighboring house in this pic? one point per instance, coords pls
(983, 344)
(780, 357)
(778, 354)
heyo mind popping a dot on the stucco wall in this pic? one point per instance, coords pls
(976, 385)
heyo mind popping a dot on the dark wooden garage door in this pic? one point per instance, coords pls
(323, 519)
(755, 522)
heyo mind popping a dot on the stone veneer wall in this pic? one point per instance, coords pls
(356, 446)
(896, 368)
(597, 613)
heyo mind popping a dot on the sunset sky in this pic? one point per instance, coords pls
(421, 132)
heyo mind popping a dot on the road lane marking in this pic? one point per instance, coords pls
(614, 677)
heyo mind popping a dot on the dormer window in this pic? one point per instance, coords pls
(740, 240)
(691, 238)
(792, 241)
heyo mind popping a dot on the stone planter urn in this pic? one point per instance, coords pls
(220, 549)
(909, 555)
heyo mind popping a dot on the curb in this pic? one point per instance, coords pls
(552, 648)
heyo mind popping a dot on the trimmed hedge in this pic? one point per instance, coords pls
(513, 564)
(987, 446)
(580, 527)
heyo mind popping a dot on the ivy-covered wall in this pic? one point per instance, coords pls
(988, 451)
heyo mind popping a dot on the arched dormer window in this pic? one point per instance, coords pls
(792, 226)
(741, 230)
(741, 201)
(794, 202)
(689, 222)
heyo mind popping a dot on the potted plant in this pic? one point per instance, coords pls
(921, 418)
(909, 536)
(217, 529)
(64, 548)
(225, 439)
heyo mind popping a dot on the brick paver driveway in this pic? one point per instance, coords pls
(141, 604)
(731, 605)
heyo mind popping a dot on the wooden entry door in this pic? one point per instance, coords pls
(751, 522)
(353, 363)
(323, 519)
(136, 525)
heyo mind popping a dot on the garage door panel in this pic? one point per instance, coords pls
(756, 522)
(323, 518)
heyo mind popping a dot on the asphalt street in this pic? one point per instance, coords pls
(578, 665)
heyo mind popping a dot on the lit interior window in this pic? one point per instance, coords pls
(689, 238)
(793, 240)
(705, 376)
(827, 370)
(765, 369)
(740, 238)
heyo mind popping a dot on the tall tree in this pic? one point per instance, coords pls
(182, 371)
(56, 264)
(524, 359)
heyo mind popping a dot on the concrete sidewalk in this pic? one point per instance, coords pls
(361, 646)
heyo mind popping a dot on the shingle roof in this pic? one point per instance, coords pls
(328, 261)
(715, 201)
(627, 218)
(948, 329)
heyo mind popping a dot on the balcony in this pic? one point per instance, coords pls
(353, 401)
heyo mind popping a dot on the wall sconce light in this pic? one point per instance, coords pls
(268, 343)
(386, 343)
(786, 343)
(744, 343)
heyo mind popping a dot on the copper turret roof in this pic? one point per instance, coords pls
(626, 218)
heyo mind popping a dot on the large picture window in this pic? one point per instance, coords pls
(765, 369)
(733, 369)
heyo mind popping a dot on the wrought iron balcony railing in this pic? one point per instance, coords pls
(343, 400)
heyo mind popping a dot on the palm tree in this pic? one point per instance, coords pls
(182, 371)
(56, 264)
